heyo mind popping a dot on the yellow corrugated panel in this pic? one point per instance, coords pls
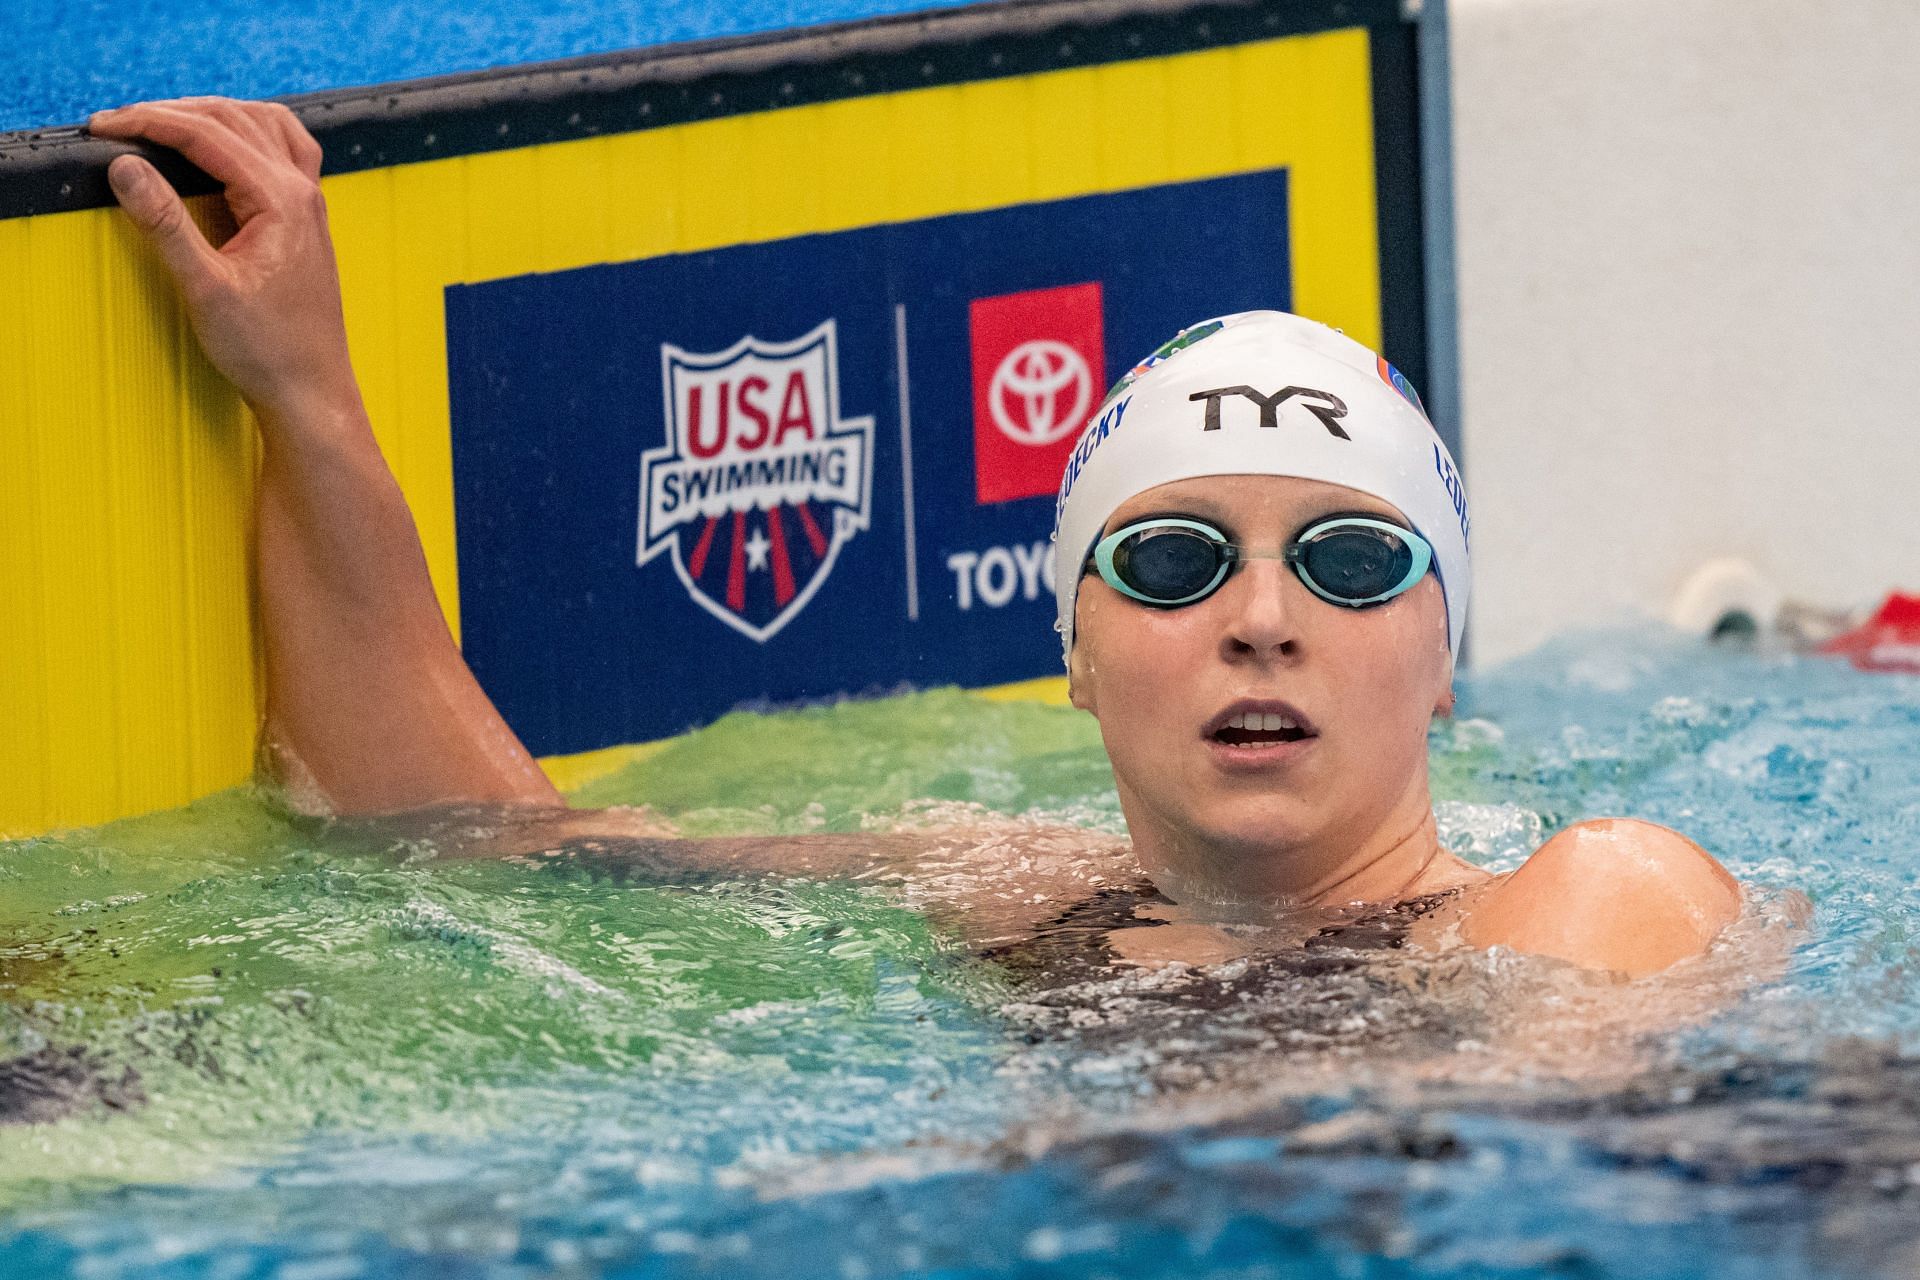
(643, 173)
(1336, 248)
(130, 682)
(436, 213)
(129, 675)
(24, 687)
(933, 176)
(1200, 116)
(1051, 690)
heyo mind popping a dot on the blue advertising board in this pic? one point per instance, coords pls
(819, 466)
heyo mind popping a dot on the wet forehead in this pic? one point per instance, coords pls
(1250, 504)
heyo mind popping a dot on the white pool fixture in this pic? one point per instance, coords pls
(1725, 598)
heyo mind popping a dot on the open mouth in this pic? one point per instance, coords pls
(1260, 729)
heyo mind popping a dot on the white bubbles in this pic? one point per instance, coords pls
(1497, 837)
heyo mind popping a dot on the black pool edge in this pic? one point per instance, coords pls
(62, 168)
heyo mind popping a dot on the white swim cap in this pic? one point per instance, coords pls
(1263, 393)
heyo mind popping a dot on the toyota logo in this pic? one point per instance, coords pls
(1041, 392)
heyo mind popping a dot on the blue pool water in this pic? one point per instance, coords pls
(263, 1048)
(61, 59)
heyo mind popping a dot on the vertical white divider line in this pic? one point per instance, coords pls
(906, 458)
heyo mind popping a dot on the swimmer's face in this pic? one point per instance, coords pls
(1213, 809)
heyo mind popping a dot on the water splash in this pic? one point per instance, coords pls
(271, 1027)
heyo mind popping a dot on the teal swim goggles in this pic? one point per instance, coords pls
(1353, 561)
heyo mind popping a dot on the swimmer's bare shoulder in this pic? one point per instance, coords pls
(1618, 894)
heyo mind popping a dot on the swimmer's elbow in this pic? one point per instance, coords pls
(1614, 893)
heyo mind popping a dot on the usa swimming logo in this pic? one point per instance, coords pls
(760, 481)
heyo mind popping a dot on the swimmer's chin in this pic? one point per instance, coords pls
(1238, 849)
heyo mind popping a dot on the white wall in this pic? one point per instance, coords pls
(1689, 301)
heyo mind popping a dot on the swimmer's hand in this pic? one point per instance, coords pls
(265, 304)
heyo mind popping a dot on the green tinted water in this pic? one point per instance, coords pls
(255, 1042)
(835, 768)
(242, 979)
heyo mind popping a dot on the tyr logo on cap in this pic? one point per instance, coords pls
(1039, 362)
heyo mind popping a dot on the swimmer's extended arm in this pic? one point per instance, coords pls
(369, 702)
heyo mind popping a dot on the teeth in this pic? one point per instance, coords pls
(1259, 722)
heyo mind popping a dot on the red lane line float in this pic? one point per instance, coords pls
(1888, 641)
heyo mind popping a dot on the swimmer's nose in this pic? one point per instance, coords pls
(1260, 611)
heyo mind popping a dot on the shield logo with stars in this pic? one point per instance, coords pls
(760, 481)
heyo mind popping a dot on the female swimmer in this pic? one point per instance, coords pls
(1262, 585)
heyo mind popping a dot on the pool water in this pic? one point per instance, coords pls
(237, 1043)
(65, 58)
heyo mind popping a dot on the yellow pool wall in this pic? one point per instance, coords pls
(129, 656)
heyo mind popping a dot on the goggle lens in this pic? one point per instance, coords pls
(1355, 563)
(1169, 564)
